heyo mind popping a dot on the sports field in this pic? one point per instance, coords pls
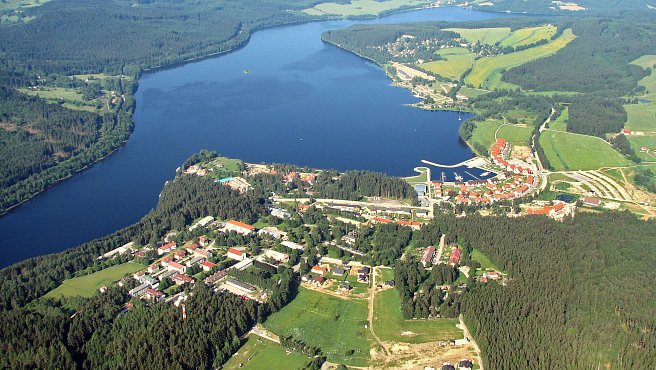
(262, 354)
(567, 151)
(641, 117)
(458, 60)
(88, 285)
(487, 71)
(390, 326)
(336, 325)
(362, 7)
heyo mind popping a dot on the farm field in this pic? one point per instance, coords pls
(390, 326)
(566, 151)
(88, 285)
(484, 133)
(472, 93)
(560, 123)
(458, 60)
(336, 325)
(265, 354)
(487, 71)
(72, 98)
(362, 7)
(529, 35)
(488, 36)
(641, 117)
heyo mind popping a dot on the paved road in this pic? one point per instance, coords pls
(468, 335)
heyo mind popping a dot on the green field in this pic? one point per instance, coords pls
(489, 36)
(516, 135)
(263, 355)
(487, 71)
(641, 117)
(336, 325)
(88, 285)
(567, 151)
(72, 98)
(638, 142)
(458, 60)
(560, 123)
(649, 82)
(420, 178)
(362, 7)
(529, 35)
(223, 167)
(390, 326)
(472, 93)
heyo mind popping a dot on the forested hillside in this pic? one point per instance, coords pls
(579, 294)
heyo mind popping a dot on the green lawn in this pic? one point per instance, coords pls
(336, 325)
(560, 124)
(487, 71)
(421, 178)
(458, 60)
(529, 35)
(223, 167)
(488, 36)
(263, 355)
(516, 135)
(72, 98)
(362, 7)
(390, 326)
(567, 151)
(641, 117)
(88, 285)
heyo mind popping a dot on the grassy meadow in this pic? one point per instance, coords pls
(262, 354)
(560, 123)
(529, 35)
(88, 285)
(390, 326)
(516, 135)
(566, 151)
(487, 71)
(649, 82)
(362, 7)
(641, 117)
(458, 60)
(489, 36)
(336, 325)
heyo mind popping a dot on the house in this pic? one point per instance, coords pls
(195, 261)
(179, 254)
(203, 241)
(216, 277)
(306, 278)
(455, 256)
(241, 285)
(348, 239)
(338, 271)
(421, 189)
(319, 270)
(278, 256)
(165, 261)
(270, 231)
(153, 295)
(246, 263)
(202, 253)
(429, 254)
(380, 220)
(447, 366)
(390, 283)
(239, 227)
(138, 291)
(293, 245)
(492, 275)
(208, 266)
(364, 270)
(182, 279)
(465, 364)
(319, 280)
(152, 268)
(202, 222)
(166, 248)
(592, 201)
(166, 274)
(363, 278)
(192, 248)
(236, 254)
(345, 288)
(280, 212)
(174, 266)
(147, 279)
(128, 247)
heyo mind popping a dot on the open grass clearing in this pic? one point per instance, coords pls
(420, 178)
(88, 285)
(457, 61)
(487, 71)
(336, 325)
(390, 326)
(262, 354)
(486, 263)
(516, 135)
(471, 92)
(489, 36)
(640, 142)
(567, 151)
(560, 123)
(649, 82)
(641, 117)
(362, 7)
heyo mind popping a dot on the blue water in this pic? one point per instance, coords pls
(303, 102)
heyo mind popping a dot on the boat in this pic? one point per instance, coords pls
(485, 173)
(246, 71)
(457, 176)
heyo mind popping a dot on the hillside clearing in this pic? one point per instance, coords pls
(88, 285)
(566, 151)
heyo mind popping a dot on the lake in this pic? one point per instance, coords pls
(302, 102)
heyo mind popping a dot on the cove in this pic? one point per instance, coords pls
(302, 102)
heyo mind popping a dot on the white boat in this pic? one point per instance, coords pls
(457, 176)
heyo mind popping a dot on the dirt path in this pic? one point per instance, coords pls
(370, 315)
(473, 343)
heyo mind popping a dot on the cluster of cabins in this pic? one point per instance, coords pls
(463, 364)
(429, 257)
(318, 275)
(309, 178)
(411, 224)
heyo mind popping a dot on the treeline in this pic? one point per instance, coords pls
(182, 200)
(353, 185)
(596, 61)
(383, 244)
(575, 296)
(593, 115)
